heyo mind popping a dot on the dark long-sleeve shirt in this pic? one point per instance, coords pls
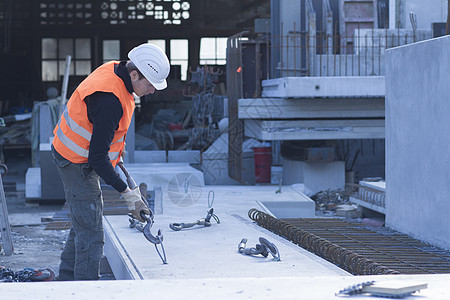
(104, 112)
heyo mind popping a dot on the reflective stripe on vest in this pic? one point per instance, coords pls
(80, 151)
(71, 144)
(75, 127)
(113, 155)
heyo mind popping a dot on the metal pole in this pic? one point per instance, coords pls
(64, 85)
(447, 31)
(5, 228)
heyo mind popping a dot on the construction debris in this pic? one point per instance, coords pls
(26, 275)
(329, 199)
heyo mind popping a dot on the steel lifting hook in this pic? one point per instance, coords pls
(155, 240)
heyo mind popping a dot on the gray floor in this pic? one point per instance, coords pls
(212, 252)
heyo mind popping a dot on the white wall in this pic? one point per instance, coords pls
(427, 12)
(418, 140)
(290, 13)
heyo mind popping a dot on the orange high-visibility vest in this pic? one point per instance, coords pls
(74, 131)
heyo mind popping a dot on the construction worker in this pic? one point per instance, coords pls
(89, 142)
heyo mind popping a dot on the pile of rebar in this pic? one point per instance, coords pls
(356, 249)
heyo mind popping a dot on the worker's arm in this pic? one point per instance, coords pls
(105, 112)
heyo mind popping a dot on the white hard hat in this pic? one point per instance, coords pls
(152, 62)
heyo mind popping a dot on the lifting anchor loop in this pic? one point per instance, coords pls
(202, 222)
(264, 248)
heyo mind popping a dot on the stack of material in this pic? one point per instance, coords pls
(113, 204)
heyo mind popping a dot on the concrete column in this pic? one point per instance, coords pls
(130, 142)
(392, 13)
(417, 140)
(194, 50)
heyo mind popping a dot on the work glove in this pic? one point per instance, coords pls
(135, 203)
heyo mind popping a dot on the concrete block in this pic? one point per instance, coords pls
(33, 183)
(348, 211)
(316, 176)
(215, 162)
(374, 222)
(150, 156)
(216, 171)
(276, 174)
(52, 187)
(183, 156)
(288, 202)
(311, 87)
(291, 208)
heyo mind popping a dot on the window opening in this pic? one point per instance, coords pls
(111, 50)
(160, 43)
(54, 52)
(213, 51)
(179, 55)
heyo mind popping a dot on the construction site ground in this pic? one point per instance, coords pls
(34, 247)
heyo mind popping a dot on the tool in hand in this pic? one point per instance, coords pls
(155, 240)
(264, 248)
(130, 181)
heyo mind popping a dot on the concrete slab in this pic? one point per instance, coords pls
(212, 252)
(378, 185)
(288, 287)
(306, 108)
(314, 130)
(150, 156)
(324, 87)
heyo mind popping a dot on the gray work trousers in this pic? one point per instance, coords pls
(80, 259)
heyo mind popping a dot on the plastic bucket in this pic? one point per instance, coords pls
(263, 161)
